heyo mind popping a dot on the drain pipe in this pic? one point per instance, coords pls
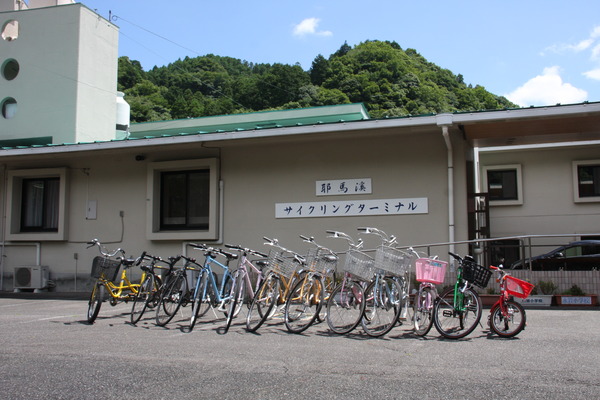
(445, 121)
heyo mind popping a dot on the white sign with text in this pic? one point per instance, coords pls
(344, 186)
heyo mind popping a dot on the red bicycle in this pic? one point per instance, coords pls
(507, 317)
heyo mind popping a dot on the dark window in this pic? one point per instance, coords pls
(40, 205)
(502, 184)
(588, 177)
(184, 200)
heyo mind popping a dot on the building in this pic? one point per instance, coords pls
(235, 179)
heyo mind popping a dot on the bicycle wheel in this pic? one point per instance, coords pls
(304, 303)
(200, 301)
(508, 325)
(171, 300)
(236, 303)
(345, 307)
(263, 303)
(455, 321)
(97, 296)
(423, 310)
(383, 303)
(142, 298)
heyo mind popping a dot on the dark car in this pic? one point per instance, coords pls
(583, 255)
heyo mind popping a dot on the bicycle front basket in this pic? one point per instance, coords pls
(360, 265)
(321, 260)
(282, 262)
(392, 260)
(106, 268)
(518, 287)
(431, 271)
(476, 274)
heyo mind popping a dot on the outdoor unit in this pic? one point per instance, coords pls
(32, 277)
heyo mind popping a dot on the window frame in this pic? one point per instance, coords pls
(15, 205)
(519, 175)
(153, 210)
(576, 197)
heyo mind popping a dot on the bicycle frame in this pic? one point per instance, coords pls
(217, 289)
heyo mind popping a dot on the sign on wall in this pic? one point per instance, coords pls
(344, 186)
(346, 208)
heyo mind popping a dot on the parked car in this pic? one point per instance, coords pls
(576, 256)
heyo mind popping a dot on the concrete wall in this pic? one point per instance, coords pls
(548, 205)
(256, 175)
(66, 86)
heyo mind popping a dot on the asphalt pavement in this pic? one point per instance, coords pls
(49, 351)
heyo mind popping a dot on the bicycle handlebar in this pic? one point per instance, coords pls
(342, 235)
(387, 240)
(237, 247)
(204, 247)
(103, 251)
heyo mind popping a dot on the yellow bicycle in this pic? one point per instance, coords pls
(105, 269)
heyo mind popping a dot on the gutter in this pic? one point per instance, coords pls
(445, 121)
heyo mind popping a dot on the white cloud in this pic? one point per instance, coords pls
(578, 47)
(309, 27)
(593, 74)
(547, 89)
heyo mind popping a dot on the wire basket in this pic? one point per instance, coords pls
(105, 268)
(282, 263)
(476, 274)
(392, 260)
(432, 271)
(518, 287)
(360, 265)
(321, 260)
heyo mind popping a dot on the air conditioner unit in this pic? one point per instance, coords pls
(33, 277)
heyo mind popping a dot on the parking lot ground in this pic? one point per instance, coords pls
(49, 351)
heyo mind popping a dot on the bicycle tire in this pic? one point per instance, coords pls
(236, 303)
(423, 311)
(304, 303)
(345, 307)
(452, 323)
(263, 303)
(511, 325)
(97, 296)
(383, 304)
(200, 303)
(142, 298)
(171, 300)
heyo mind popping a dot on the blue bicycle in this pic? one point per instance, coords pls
(208, 292)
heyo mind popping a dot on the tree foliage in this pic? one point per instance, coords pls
(390, 81)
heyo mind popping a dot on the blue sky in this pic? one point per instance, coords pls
(535, 52)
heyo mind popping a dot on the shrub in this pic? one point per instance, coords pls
(574, 291)
(547, 287)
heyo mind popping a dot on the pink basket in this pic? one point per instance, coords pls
(517, 287)
(431, 271)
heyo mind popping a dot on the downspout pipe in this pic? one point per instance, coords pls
(445, 121)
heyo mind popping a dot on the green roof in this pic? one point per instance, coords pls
(251, 121)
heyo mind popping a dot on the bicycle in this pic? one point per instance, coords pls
(306, 298)
(507, 317)
(105, 270)
(207, 290)
(148, 295)
(175, 292)
(429, 273)
(457, 311)
(242, 284)
(346, 304)
(276, 285)
(387, 293)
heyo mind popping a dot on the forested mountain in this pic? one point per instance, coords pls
(390, 81)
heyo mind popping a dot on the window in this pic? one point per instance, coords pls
(503, 184)
(586, 181)
(182, 200)
(40, 204)
(37, 203)
(185, 199)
